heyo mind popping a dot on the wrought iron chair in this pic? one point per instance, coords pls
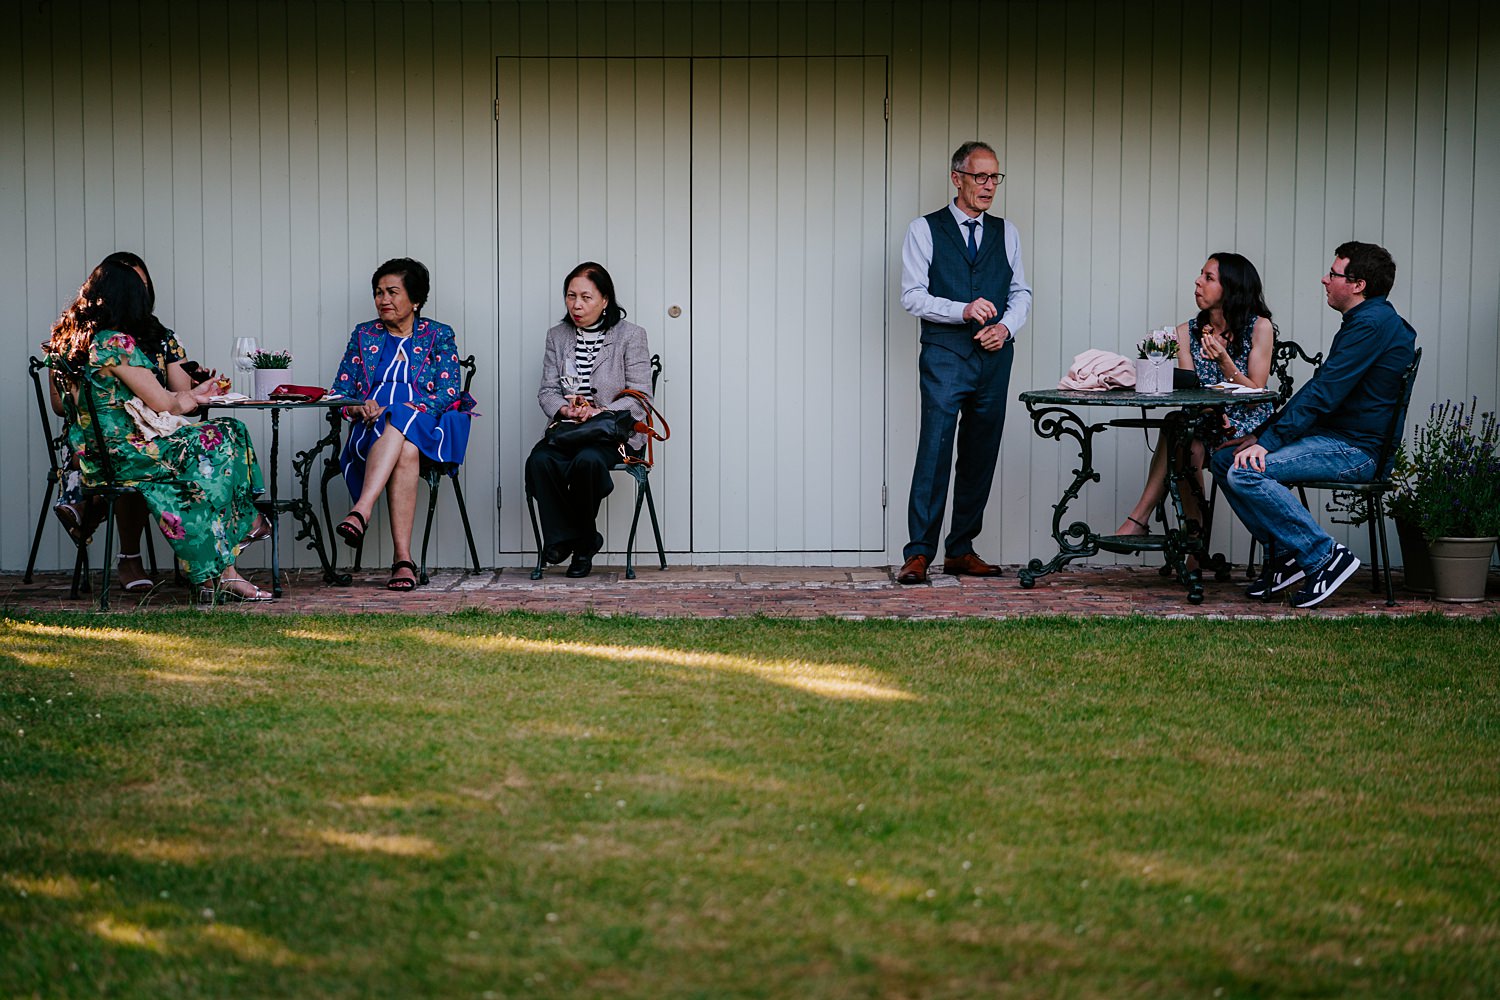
(640, 471)
(108, 487)
(433, 473)
(1283, 355)
(1365, 502)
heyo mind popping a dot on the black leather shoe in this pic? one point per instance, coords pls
(554, 554)
(583, 561)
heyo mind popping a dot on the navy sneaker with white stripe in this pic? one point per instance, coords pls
(1283, 573)
(1327, 578)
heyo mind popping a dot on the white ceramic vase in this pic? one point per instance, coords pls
(267, 379)
(1154, 374)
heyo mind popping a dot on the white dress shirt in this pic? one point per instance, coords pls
(916, 260)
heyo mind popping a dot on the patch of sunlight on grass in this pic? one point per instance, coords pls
(1157, 868)
(131, 935)
(398, 845)
(174, 658)
(248, 946)
(698, 772)
(50, 886)
(320, 635)
(829, 680)
(381, 802)
(172, 677)
(891, 886)
(173, 852)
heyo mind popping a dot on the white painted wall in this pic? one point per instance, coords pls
(264, 157)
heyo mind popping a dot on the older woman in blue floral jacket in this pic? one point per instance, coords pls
(404, 370)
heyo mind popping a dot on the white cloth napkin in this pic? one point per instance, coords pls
(150, 423)
(1234, 387)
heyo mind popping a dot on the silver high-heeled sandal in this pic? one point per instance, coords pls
(240, 589)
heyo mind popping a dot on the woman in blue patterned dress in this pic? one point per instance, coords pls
(1230, 340)
(404, 370)
(199, 480)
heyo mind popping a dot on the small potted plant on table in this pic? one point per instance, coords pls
(272, 368)
(1158, 357)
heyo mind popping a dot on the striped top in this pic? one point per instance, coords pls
(585, 352)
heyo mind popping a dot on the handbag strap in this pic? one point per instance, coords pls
(646, 427)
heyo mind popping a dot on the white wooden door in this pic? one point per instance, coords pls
(594, 162)
(740, 206)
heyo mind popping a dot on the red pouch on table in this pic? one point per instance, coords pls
(298, 393)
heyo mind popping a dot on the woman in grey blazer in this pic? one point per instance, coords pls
(592, 356)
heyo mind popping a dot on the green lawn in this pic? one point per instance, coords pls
(225, 805)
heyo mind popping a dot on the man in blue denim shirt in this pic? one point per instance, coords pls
(1331, 429)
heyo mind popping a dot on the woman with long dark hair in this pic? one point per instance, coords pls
(1230, 340)
(199, 480)
(592, 355)
(173, 371)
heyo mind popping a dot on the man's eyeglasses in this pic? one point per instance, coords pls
(983, 180)
(1332, 274)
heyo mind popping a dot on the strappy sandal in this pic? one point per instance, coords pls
(240, 589)
(402, 582)
(1144, 527)
(142, 582)
(352, 534)
(260, 532)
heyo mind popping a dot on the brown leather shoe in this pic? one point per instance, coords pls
(969, 565)
(914, 570)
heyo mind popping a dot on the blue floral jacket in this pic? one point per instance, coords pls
(436, 374)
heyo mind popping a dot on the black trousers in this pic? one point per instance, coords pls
(569, 489)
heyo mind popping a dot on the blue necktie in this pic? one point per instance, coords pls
(973, 225)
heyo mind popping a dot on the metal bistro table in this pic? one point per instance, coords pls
(1053, 416)
(302, 464)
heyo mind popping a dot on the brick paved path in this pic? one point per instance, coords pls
(789, 592)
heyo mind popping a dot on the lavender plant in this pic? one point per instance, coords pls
(1454, 487)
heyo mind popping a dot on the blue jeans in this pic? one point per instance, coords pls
(1272, 512)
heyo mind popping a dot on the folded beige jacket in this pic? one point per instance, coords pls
(1099, 370)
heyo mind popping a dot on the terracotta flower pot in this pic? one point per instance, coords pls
(1461, 568)
(1416, 557)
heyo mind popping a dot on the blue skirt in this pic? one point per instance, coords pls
(444, 438)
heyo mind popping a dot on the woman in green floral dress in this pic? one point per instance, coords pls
(199, 480)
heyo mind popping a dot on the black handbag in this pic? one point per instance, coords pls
(607, 429)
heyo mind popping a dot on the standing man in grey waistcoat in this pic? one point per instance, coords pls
(961, 276)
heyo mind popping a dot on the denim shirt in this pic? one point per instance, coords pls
(1355, 392)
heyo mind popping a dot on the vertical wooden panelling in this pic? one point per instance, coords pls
(23, 240)
(1483, 333)
(264, 172)
(606, 205)
(781, 235)
(1457, 186)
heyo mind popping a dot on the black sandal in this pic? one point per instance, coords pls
(402, 582)
(352, 534)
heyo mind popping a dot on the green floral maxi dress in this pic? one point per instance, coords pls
(199, 482)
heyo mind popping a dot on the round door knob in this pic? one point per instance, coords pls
(674, 311)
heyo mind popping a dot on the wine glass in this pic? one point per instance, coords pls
(244, 360)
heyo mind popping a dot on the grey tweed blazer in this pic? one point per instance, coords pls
(624, 362)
